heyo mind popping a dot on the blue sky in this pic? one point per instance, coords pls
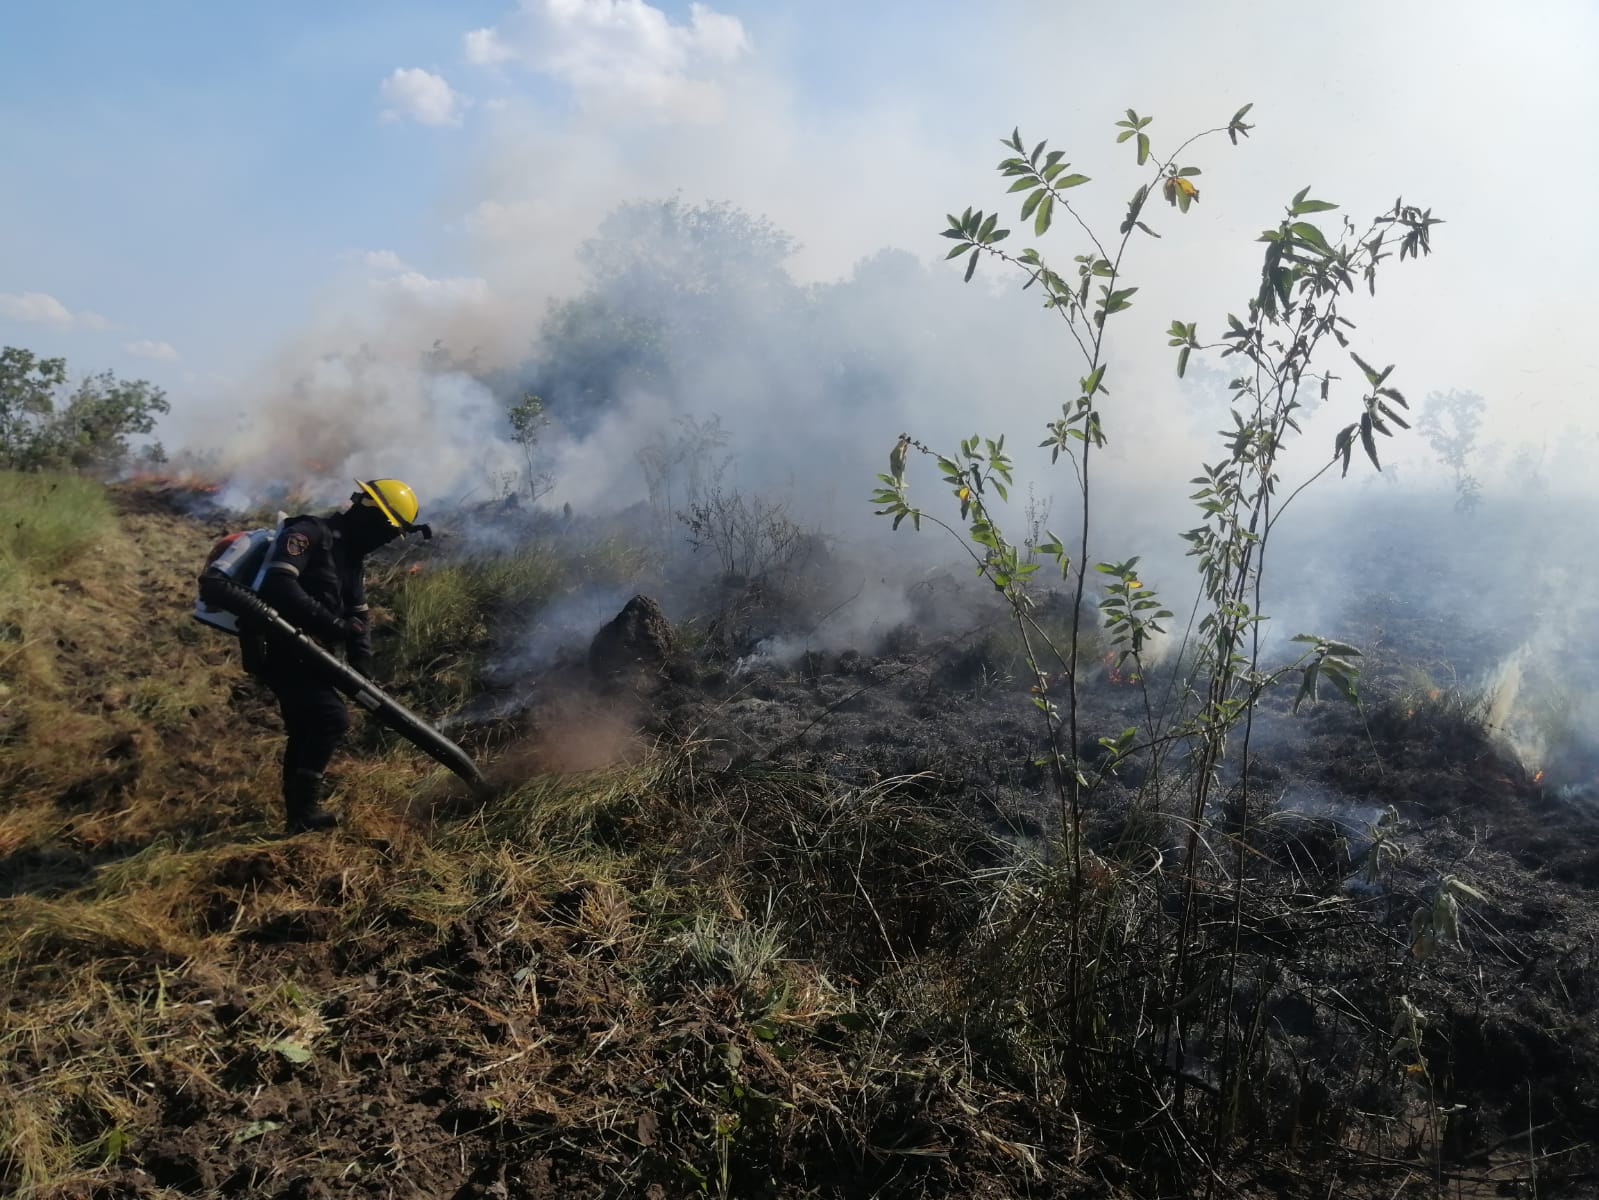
(194, 169)
(193, 172)
(205, 194)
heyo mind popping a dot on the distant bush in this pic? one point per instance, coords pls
(45, 427)
(751, 539)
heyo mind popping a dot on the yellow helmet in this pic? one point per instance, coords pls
(395, 500)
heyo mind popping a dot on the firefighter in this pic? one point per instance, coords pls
(315, 580)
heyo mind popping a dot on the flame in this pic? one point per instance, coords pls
(187, 482)
(1537, 776)
(1114, 672)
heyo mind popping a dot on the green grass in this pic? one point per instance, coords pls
(448, 607)
(48, 520)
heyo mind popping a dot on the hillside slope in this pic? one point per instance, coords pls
(526, 1002)
(785, 936)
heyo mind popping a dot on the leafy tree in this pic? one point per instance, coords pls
(683, 466)
(28, 386)
(668, 278)
(663, 252)
(595, 348)
(89, 429)
(1449, 422)
(527, 423)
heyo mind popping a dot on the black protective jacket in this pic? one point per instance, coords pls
(315, 579)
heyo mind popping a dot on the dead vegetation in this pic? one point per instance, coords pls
(676, 971)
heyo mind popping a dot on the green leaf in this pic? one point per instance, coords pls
(1373, 376)
(1117, 300)
(1453, 883)
(1343, 446)
(1046, 211)
(1306, 232)
(1237, 126)
(254, 1130)
(1393, 416)
(1307, 686)
(1071, 181)
(1368, 442)
(294, 1052)
(1345, 685)
(1182, 361)
(1032, 202)
(113, 1143)
(1143, 148)
(971, 265)
(1301, 207)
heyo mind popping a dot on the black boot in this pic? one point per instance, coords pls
(302, 799)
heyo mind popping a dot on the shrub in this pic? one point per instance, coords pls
(44, 428)
(1097, 958)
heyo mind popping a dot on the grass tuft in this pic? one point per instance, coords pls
(49, 521)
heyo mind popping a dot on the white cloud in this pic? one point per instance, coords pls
(421, 95)
(484, 47)
(158, 351)
(466, 290)
(382, 260)
(390, 275)
(620, 52)
(44, 309)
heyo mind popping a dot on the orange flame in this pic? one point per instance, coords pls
(187, 482)
(1113, 671)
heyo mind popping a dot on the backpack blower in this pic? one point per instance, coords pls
(229, 603)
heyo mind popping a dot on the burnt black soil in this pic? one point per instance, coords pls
(1511, 1035)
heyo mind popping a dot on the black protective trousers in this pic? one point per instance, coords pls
(314, 716)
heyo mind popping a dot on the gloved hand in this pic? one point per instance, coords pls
(352, 627)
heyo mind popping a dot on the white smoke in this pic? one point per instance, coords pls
(568, 109)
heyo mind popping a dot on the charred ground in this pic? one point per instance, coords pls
(745, 929)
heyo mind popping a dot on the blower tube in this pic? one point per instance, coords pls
(221, 592)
